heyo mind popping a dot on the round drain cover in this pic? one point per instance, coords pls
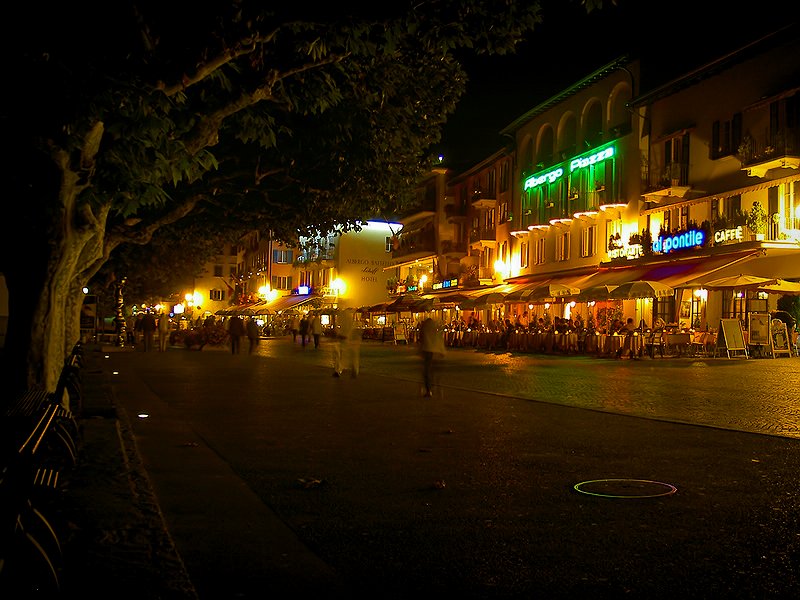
(625, 488)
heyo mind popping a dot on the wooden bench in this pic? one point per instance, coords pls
(30, 551)
(64, 426)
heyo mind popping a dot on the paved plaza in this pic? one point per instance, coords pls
(275, 478)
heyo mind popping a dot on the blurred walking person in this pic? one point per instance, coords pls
(148, 330)
(163, 331)
(304, 331)
(236, 331)
(316, 330)
(431, 347)
(347, 351)
(253, 334)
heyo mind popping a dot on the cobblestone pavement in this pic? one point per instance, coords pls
(275, 478)
(756, 395)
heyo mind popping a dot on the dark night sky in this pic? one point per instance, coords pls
(670, 35)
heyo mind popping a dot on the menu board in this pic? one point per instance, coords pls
(731, 336)
(780, 338)
(758, 331)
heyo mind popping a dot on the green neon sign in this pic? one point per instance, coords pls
(592, 159)
(537, 180)
(580, 162)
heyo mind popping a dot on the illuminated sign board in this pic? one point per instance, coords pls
(538, 180)
(580, 162)
(630, 252)
(442, 285)
(690, 239)
(726, 235)
(592, 159)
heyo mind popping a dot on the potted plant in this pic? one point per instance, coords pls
(757, 220)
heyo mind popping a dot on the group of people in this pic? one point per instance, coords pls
(238, 328)
(145, 325)
(308, 328)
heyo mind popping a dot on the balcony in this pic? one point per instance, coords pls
(670, 180)
(483, 199)
(483, 238)
(453, 247)
(776, 151)
(415, 243)
(454, 212)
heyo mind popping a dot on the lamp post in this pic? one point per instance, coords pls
(119, 318)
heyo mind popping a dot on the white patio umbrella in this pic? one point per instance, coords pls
(641, 289)
(736, 282)
(596, 293)
(553, 290)
(781, 286)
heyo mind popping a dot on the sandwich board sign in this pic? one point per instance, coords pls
(730, 337)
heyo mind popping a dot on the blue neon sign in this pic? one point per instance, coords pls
(690, 239)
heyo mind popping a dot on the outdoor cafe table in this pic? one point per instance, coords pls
(703, 342)
(609, 345)
(564, 342)
(678, 343)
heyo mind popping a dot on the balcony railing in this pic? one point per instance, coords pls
(668, 176)
(419, 241)
(454, 247)
(482, 235)
(768, 148)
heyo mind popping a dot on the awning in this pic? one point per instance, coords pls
(411, 261)
(410, 304)
(293, 301)
(523, 291)
(676, 273)
(727, 194)
(416, 225)
(238, 309)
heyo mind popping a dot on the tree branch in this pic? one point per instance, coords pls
(243, 48)
(142, 232)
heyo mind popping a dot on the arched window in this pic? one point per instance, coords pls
(545, 148)
(593, 125)
(568, 136)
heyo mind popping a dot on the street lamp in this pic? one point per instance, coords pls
(338, 286)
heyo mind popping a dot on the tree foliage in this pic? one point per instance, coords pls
(129, 116)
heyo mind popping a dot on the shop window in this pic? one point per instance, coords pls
(504, 177)
(666, 224)
(726, 136)
(281, 283)
(589, 241)
(502, 209)
(665, 309)
(562, 247)
(282, 256)
(540, 251)
(523, 254)
(489, 220)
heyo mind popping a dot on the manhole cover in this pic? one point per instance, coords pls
(625, 488)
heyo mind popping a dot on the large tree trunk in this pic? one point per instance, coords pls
(45, 294)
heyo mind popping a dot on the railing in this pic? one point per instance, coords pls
(766, 147)
(423, 240)
(482, 235)
(452, 246)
